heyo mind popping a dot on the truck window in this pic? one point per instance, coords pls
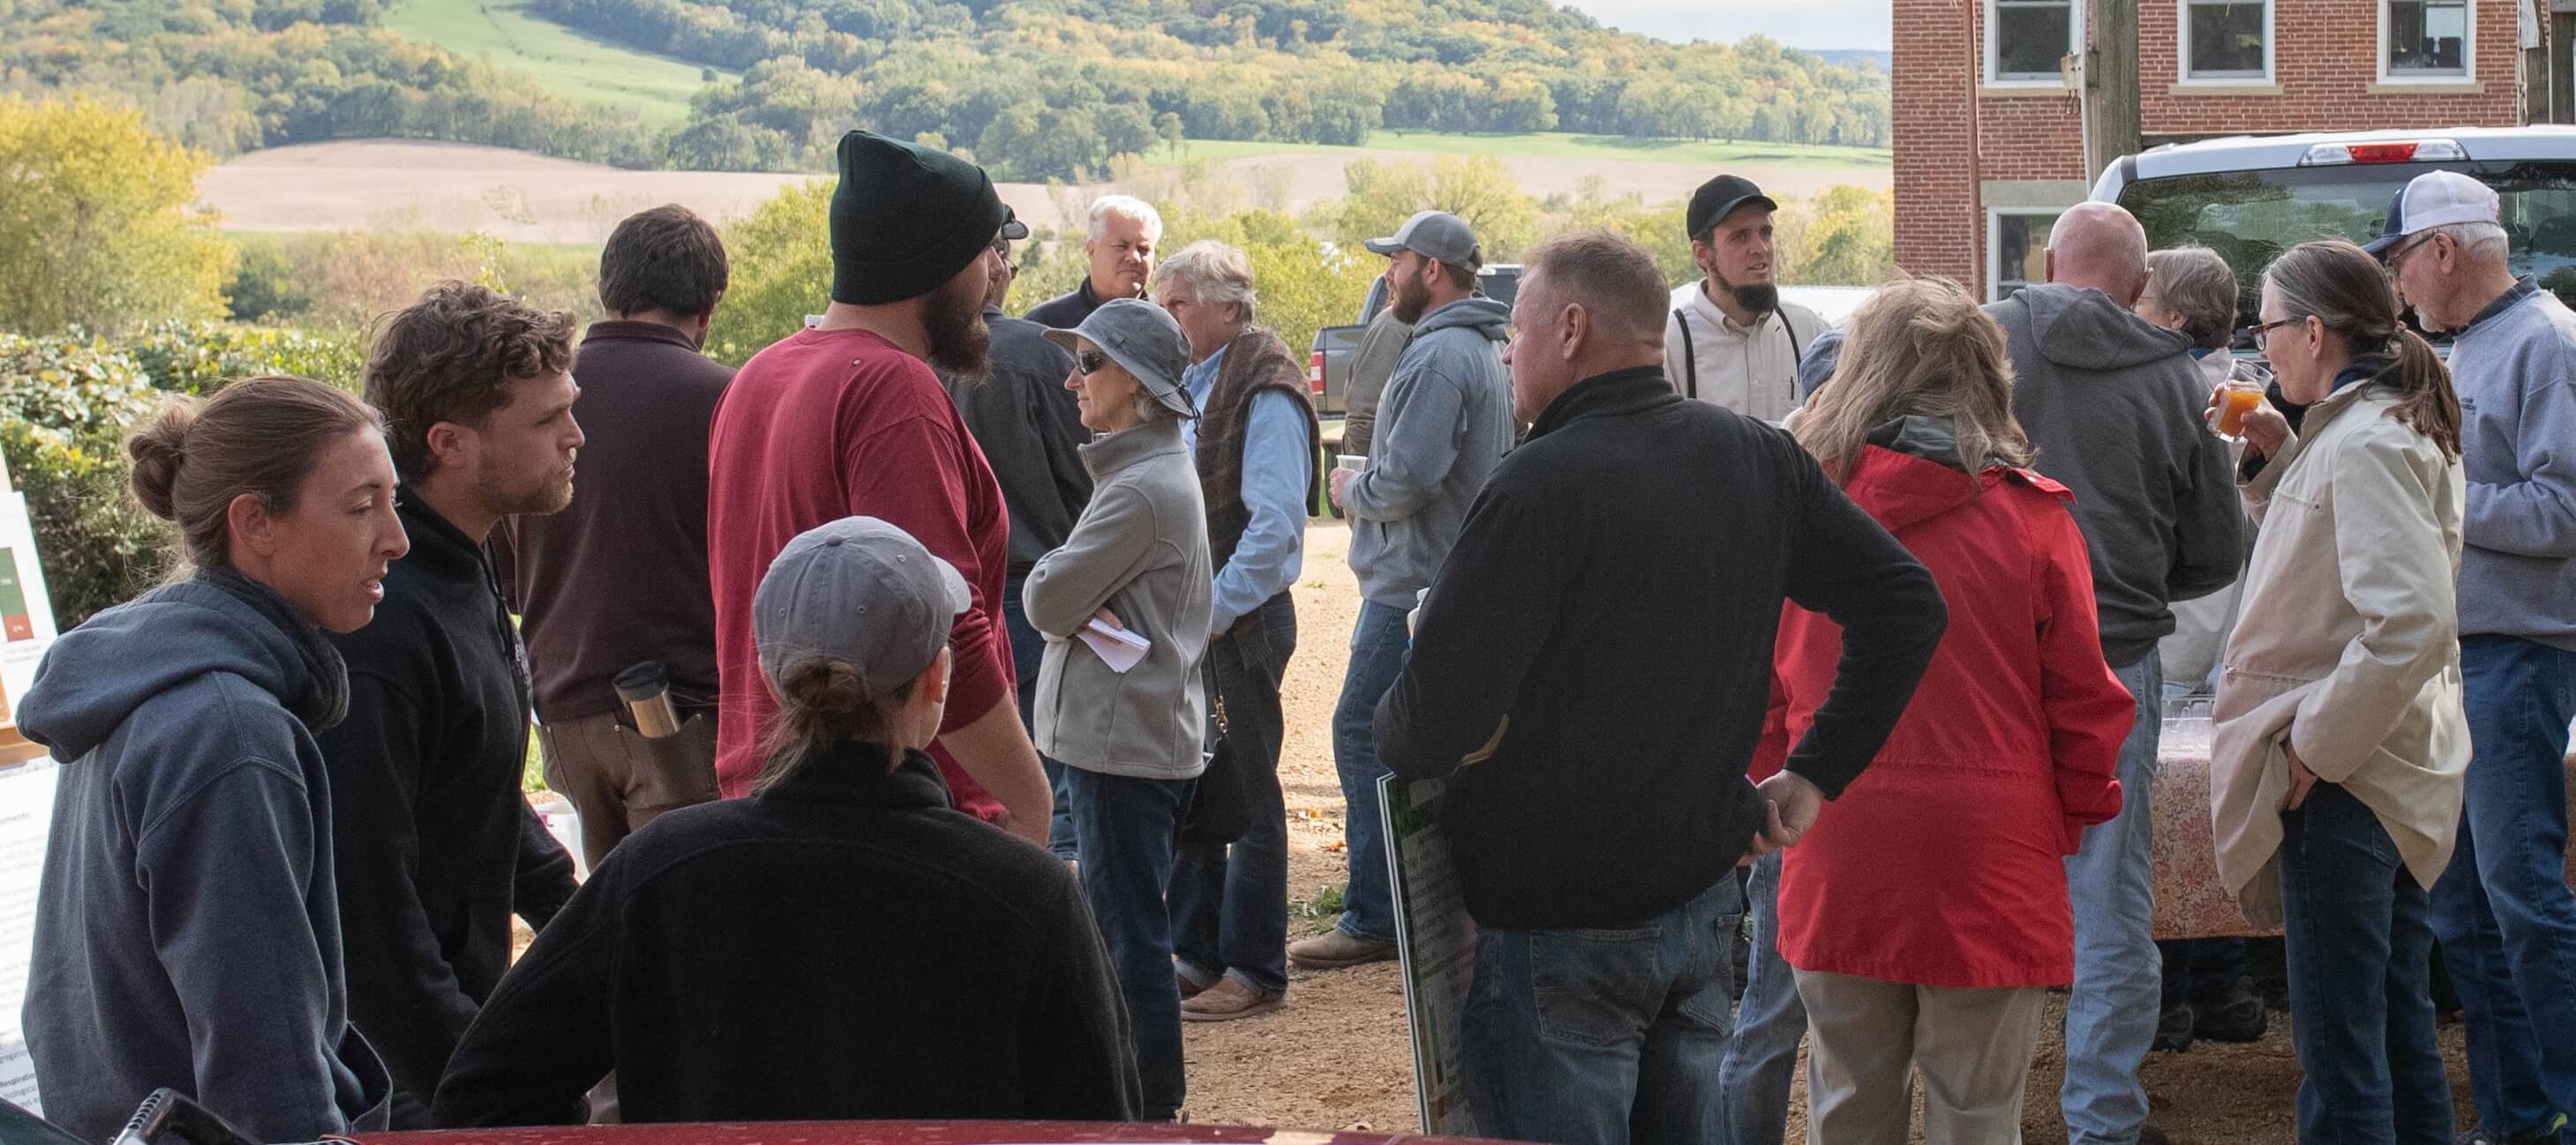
(2250, 217)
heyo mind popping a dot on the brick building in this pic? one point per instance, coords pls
(1990, 135)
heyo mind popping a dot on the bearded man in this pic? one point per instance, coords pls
(1731, 341)
(848, 418)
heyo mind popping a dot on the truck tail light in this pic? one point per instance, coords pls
(1315, 373)
(2417, 151)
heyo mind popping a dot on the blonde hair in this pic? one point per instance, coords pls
(1920, 346)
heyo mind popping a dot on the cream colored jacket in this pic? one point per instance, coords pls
(2347, 647)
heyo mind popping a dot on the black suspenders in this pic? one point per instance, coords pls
(1690, 356)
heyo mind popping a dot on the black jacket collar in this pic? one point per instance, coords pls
(437, 547)
(1601, 395)
(855, 775)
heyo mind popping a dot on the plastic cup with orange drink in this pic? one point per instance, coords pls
(2237, 400)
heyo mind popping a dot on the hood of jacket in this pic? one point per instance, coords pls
(216, 622)
(1482, 315)
(2082, 328)
(1910, 472)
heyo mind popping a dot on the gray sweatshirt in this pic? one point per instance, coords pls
(2114, 404)
(2513, 367)
(1141, 550)
(1442, 427)
(187, 929)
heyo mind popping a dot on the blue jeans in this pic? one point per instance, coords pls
(1769, 1023)
(2111, 1015)
(1378, 644)
(2502, 911)
(2360, 959)
(1230, 904)
(1598, 1037)
(1126, 870)
(1028, 647)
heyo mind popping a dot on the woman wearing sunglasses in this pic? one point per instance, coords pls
(1124, 607)
(2340, 741)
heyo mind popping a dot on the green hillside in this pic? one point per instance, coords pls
(561, 60)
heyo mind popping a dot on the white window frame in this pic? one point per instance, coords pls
(1993, 45)
(1995, 244)
(2468, 75)
(2271, 41)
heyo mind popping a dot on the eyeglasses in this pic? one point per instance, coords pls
(2397, 258)
(2262, 335)
(1091, 361)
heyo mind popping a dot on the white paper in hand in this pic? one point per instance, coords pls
(1118, 647)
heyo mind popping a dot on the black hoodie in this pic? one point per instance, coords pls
(2114, 404)
(187, 931)
(436, 843)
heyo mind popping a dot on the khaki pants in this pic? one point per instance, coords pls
(1867, 1037)
(618, 780)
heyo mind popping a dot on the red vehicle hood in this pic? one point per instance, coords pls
(898, 1133)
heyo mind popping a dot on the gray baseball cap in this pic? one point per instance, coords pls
(861, 590)
(1144, 340)
(1435, 235)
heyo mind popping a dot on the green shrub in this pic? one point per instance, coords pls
(65, 406)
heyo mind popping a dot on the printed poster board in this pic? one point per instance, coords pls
(1436, 942)
(26, 612)
(26, 812)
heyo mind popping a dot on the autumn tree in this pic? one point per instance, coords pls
(96, 224)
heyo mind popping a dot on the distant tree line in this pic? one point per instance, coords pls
(1055, 88)
(1036, 89)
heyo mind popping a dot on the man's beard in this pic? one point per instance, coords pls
(1412, 298)
(960, 344)
(1756, 299)
(546, 496)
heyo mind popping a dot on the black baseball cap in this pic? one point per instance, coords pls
(1718, 198)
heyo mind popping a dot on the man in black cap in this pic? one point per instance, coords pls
(847, 418)
(1032, 435)
(1730, 340)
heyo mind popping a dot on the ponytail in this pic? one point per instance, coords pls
(2426, 400)
(824, 703)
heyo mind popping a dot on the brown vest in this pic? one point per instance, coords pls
(1255, 361)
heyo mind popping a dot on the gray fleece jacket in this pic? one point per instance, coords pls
(187, 930)
(2114, 404)
(1442, 427)
(2513, 367)
(1140, 550)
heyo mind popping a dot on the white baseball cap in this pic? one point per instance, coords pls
(2435, 199)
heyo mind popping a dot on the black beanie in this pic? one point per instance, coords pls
(905, 219)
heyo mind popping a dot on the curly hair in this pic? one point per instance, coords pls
(451, 357)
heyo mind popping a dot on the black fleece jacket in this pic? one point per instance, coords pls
(844, 945)
(436, 845)
(1605, 624)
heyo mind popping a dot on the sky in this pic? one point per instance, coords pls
(1813, 24)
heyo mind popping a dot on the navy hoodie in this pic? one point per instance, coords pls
(187, 931)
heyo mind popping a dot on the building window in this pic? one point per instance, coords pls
(2426, 39)
(2026, 39)
(2017, 250)
(2226, 39)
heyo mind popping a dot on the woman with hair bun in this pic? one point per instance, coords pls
(187, 932)
(844, 944)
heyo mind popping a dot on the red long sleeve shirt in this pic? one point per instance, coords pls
(830, 424)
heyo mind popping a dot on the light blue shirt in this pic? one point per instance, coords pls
(1266, 561)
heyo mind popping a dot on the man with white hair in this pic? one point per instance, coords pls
(2114, 403)
(1255, 442)
(1124, 231)
(2502, 911)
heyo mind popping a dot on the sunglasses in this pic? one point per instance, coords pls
(1091, 361)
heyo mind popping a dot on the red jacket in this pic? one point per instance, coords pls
(831, 424)
(1944, 863)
